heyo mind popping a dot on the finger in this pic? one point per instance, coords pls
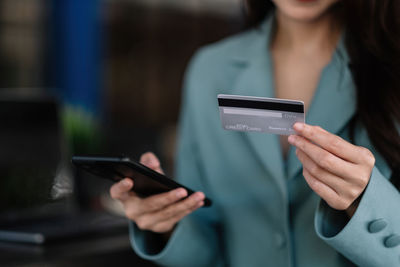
(167, 225)
(160, 201)
(132, 207)
(121, 190)
(336, 183)
(324, 191)
(181, 207)
(329, 142)
(151, 161)
(147, 220)
(323, 158)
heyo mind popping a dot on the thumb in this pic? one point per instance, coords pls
(121, 189)
(151, 161)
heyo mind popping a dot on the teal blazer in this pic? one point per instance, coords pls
(264, 213)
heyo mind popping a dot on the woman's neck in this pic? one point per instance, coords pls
(319, 35)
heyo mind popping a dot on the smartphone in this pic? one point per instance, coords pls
(147, 181)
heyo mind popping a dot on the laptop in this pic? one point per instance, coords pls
(37, 200)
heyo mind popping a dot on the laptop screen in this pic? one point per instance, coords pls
(31, 154)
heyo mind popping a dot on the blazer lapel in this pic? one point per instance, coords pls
(256, 79)
(332, 107)
(333, 104)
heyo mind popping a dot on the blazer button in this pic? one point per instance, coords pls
(392, 241)
(377, 226)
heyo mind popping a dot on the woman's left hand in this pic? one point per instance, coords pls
(335, 169)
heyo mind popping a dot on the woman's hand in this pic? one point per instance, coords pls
(157, 213)
(335, 169)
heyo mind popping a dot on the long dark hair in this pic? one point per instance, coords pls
(373, 43)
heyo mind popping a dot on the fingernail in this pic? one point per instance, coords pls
(298, 126)
(198, 196)
(181, 193)
(200, 204)
(146, 161)
(126, 182)
(292, 139)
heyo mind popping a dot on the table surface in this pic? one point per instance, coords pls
(112, 249)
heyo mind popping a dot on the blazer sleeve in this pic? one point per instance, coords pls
(372, 236)
(194, 241)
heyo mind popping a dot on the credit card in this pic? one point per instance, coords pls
(260, 114)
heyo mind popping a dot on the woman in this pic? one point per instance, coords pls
(304, 200)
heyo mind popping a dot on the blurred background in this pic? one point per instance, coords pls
(98, 77)
(116, 66)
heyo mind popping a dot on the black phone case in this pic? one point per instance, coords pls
(147, 182)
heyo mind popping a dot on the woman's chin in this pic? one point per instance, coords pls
(305, 11)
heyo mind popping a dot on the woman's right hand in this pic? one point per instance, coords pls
(158, 213)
